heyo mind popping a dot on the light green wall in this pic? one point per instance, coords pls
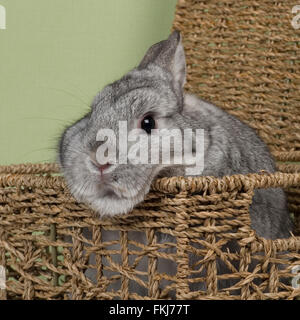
(55, 55)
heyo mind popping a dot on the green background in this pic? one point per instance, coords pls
(55, 55)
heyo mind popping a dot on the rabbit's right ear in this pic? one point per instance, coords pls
(168, 54)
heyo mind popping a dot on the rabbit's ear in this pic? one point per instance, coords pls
(168, 54)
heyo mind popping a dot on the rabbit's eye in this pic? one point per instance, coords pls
(147, 124)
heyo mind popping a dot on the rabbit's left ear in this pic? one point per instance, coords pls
(168, 54)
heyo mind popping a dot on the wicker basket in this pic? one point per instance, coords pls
(203, 214)
(241, 55)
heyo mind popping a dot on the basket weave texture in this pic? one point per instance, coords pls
(203, 214)
(241, 55)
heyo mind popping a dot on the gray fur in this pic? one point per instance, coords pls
(156, 87)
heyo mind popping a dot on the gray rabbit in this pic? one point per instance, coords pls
(151, 96)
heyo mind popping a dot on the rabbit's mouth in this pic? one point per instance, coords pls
(112, 188)
(115, 200)
(116, 190)
(101, 170)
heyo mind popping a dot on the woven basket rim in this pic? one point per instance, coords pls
(30, 175)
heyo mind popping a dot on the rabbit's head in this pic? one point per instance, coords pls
(148, 97)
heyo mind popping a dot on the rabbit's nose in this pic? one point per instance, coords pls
(101, 167)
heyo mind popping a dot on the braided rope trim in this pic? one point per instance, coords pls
(29, 175)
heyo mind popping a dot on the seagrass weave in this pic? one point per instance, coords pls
(37, 215)
(242, 56)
